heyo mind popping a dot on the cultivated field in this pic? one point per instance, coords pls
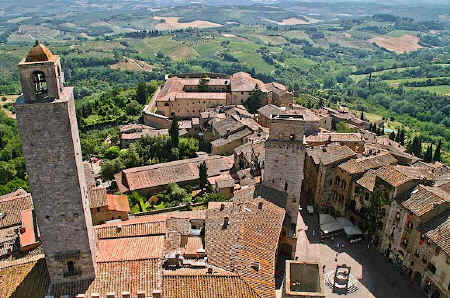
(132, 65)
(403, 44)
(171, 23)
(294, 21)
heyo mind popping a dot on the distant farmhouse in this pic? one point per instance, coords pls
(189, 95)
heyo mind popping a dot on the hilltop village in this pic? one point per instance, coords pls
(277, 168)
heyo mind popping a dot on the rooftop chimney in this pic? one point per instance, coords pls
(260, 205)
(222, 206)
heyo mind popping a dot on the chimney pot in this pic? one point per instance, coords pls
(260, 205)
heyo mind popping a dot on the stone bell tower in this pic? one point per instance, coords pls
(51, 145)
(285, 155)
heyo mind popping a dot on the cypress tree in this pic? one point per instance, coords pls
(428, 154)
(362, 115)
(392, 136)
(437, 152)
(174, 131)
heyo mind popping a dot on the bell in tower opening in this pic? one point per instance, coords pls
(40, 75)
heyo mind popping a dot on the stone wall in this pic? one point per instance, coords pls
(52, 150)
(285, 155)
(102, 214)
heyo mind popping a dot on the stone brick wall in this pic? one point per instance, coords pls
(52, 150)
(285, 155)
(103, 215)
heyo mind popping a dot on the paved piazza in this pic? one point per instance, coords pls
(376, 277)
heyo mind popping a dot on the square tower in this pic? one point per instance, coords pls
(48, 127)
(285, 155)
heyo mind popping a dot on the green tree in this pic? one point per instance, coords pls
(437, 152)
(174, 131)
(112, 152)
(392, 136)
(131, 158)
(255, 101)
(141, 93)
(111, 167)
(203, 174)
(428, 156)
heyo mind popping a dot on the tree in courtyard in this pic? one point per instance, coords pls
(362, 115)
(255, 101)
(141, 93)
(437, 152)
(333, 124)
(415, 146)
(111, 167)
(428, 156)
(203, 174)
(392, 136)
(174, 131)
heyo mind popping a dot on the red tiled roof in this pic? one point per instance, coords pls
(130, 229)
(175, 171)
(12, 205)
(130, 248)
(97, 196)
(28, 236)
(361, 165)
(206, 286)
(368, 180)
(438, 231)
(118, 203)
(117, 277)
(251, 237)
(425, 199)
(23, 279)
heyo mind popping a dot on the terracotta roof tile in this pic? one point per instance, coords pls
(438, 231)
(118, 203)
(175, 171)
(12, 205)
(206, 286)
(368, 180)
(97, 197)
(126, 229)
(249, 239)
(425, 198)
(39, 53)
(130, 248)
(116, 277)
(23, 279)
(361, 165)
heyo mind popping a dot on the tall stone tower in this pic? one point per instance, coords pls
(51, 145)
(285, 155)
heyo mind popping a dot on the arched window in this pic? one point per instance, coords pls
(70, 267)
(40, 84)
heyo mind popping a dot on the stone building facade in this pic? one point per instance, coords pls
(285, 155)
(51, 145)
